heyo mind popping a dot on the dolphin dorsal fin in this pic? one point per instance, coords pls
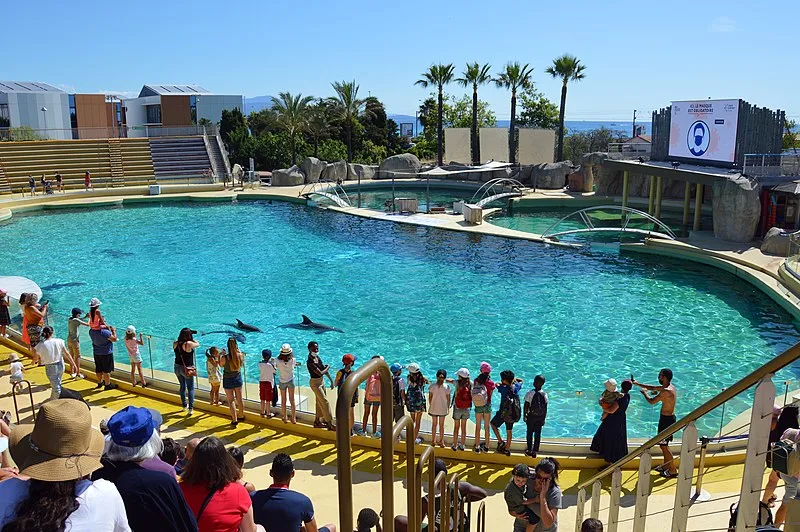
(238, 322)
(306, 319)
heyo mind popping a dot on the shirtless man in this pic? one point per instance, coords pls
(666, 396)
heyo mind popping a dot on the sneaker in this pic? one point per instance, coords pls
(111, 386)
(361, 433)
(484, 448)
(477, 449)
(191, 411)
(377, 434)
(419, 440)
(73, 375)
(81, 376)
(99, 385)
(234, 423)
(454, 447)
(460, 446)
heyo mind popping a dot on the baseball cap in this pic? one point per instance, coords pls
(348, 358)
(413, 368)
(131, 427)
(130, 329)
(394, 368)
(463, 372)
(76, 311)
(486, 367)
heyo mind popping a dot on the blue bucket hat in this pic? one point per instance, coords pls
(131, 427)
(394, 368)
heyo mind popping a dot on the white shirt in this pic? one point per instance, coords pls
(285, 369)
(266, 372)
(50, 350)
(16, 371)
(440, 399)
(100, 506)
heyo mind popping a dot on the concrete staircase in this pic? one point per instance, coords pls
(218, 160)
(115, 161)
(5, 186)
(180, 158)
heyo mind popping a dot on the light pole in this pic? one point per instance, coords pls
(44, 118)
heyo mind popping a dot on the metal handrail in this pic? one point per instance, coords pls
(771, 367)
(623, 222)
(440, 484)
(343, 445)
(427, 457)
(499, 181)
(480, 526)
(407, 423)
(453, 487)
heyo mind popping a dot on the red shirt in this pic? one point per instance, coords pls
(225, 510)
(464, 397)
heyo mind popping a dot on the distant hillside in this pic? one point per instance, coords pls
(257, 103)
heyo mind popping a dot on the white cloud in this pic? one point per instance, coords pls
(723, 25)
(121, 94)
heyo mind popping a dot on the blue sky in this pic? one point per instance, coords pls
(639, 55)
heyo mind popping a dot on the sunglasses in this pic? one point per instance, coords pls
(540, 477)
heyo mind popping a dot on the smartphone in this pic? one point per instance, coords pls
(632, 379)
(45, 302)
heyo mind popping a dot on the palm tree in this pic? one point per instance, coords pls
(475, 75)
(438, 75)
(568, 68)
(350, 107)
(318, 123)
(292, 113)
(514, 78)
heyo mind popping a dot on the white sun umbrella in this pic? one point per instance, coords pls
(15, 285)
(438, 171)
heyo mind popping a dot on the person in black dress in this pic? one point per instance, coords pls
(611, 438)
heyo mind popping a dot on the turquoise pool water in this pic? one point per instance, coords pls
(378, 199)
(441, 298)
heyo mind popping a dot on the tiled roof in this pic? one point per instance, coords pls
(26, 87)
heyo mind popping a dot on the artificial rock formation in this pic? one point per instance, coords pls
(335, 172)
(736, 208)
(361, 171)
(403, 165)
(288, 177)
(551, 175)
(776, 242)
(312, 168)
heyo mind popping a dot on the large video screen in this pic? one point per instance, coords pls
(704, 130)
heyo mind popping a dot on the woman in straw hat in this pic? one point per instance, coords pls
(55, 456)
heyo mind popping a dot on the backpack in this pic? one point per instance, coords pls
(764, 517)
(480, 396)
(538, 408)
(373, 388)
(513, 410)
(785, 457)
(397, 397)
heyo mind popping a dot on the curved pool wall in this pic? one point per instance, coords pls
(407, 292)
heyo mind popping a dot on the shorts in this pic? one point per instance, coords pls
(485, 409)
(135, 359)
(34, 334)
(265, 391)
(791, 486)
(438, 416)
(214, 378)
(372, 403)
(460, 413)
(232, 382)
(498, 420)
(664, 422)
(103, 363)
(398, 411)
(286, 385)
(74, 348)
(530, 517)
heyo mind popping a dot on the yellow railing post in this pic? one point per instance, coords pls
(427, 457)
(414, 519)
(343, 445)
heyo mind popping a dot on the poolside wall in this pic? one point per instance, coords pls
(456, 145)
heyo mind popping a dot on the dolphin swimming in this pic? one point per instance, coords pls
(57, 286)
(116, 253)
(309, 324)
(239, 337)
(242, 326)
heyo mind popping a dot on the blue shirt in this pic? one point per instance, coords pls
(101, 345)
(281, 509)
(504, 389)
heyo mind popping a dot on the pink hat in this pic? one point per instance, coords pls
(485, 367)
(791, 434)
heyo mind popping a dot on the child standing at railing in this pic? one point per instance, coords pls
(266, 379)
(372, 401)
(415, 397)
(132, 345)
(74, 342)
(214, 373)
(96, 319)
(348, 360)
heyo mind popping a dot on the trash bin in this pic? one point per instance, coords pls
(155, 190)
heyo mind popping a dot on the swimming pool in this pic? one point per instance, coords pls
(380, 198)
(440, 298)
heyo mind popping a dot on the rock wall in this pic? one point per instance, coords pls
(736, 208)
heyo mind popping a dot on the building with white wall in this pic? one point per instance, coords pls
(36, 105)
(175, 106)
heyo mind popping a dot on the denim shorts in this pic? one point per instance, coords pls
(460, 413)
(485, 409)
(286, 385)
(372, 403)
(791, 487)
(230, 383)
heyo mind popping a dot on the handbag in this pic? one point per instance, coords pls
(189, 371)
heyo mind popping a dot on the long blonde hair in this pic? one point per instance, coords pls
(234, 355)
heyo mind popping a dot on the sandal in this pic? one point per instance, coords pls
(660, 468)
(771, 501)
(666, 474)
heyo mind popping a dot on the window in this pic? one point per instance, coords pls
(73, 116)
(5, 117)
(153, 114)
(193, 108)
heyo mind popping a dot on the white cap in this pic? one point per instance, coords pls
(611, 385)
(463, 372)
(94, 302)
(131, 329)
(413, 368)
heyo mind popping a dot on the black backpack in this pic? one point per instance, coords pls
(764, 518)
(538, 405)
(396, 395)
(513, 410)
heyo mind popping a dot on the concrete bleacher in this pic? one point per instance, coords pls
(112, 162)
(180, 158)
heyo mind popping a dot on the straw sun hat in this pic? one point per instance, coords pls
(60, 446)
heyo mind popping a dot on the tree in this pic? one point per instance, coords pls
(234, 133)
(349, 107)
(463, 113)
(536, 110)
(568, 68)
(205, 122)
(318, 123)
(263, 121)
(292, 111)
(582, 142)
(438, 76)
(230, 121)
(789, 135)
(514, 78)
(475, 75)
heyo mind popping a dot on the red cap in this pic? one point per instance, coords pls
(348, 359)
